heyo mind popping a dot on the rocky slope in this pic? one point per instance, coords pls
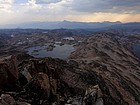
(111, 59)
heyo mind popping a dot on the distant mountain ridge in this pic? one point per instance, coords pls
(92, 26)
(61, 24)
(132, 25)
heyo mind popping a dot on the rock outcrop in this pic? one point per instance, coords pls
(7, 99)
(46, 79)
(8, 71)
(13, 69)
(3, 74)
(93, 96)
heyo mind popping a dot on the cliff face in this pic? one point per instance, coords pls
(111, 59)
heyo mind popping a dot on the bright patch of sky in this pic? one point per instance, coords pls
(20, 1)
(19, 11)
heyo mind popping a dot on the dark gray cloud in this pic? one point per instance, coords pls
(126, 3)
(47, 1)
(119, 6)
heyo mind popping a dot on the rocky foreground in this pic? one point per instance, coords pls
(47, 82)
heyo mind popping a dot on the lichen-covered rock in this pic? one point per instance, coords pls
(92, 94)
(42, 81)
(6, 99)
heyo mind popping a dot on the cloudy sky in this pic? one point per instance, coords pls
(19, 11)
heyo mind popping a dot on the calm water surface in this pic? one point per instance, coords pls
(62, 52)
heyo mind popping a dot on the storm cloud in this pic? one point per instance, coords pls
(118, 6)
